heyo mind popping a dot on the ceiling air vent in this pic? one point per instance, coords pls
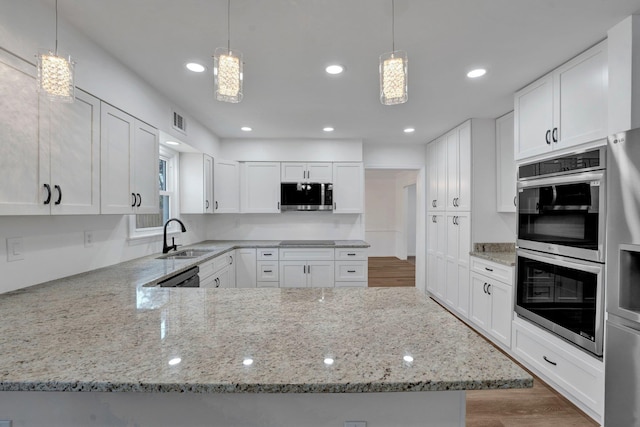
(179, 123)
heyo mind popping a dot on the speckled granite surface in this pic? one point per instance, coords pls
(502, 253)
(105, 331)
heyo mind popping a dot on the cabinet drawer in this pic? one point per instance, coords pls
(355, 271)
(208, 282)
(268, 254)
(305, 254)
(351, 254)
(351, 284)
(491, 269)
(577, 373)
(212, 266)
(267, 271)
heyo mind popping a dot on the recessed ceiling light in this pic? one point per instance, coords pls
(195, 67)
(172, 143)
(409, 130)
(246, 129)
(334, 69)
(328, 129)
(478, 72)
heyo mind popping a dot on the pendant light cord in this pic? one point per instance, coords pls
(228, 26)
(393, 25)
(56, 27)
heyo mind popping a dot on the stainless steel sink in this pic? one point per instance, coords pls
(185, 254)
(307, 243)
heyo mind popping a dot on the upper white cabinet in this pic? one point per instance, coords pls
(226, 185)
(437, 174)
(129, 164)
(260, 187)
(458, 161)
(565, 108)
(348, 188)
(196, 183)
(505, 165)
(50, 151)
(306, 172)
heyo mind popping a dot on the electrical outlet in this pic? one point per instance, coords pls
(88, 241)
(355, 424)
(15, 249)
(5, 423)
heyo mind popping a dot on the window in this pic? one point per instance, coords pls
(144, 225)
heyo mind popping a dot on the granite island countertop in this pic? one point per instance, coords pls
(105, 331)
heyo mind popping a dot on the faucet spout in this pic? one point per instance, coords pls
(165, 247)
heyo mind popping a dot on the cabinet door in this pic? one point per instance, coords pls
(506, 165)
(24, 158)
(116, 166)
(432, 247)
(432, 277)
(480, 303)
(293, 172)
(207, 184)
(441, 170)
(293, 274)
(533, 110)
(581, 98)
(226, 186)
(320, 274)
(501, 311)
(260, 182)
(463, 226)
(452, 162)
(432, 176)
(232, 269)
(74, 130)
(245, 266)
(223, 278)
(320, 172)
(463, 201)
(451, 294)
(441, 252)
(348, 188)
(146, 168)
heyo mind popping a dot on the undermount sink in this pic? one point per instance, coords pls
(185, 254)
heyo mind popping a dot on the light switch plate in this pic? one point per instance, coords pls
(88, 241)
(5, 423)
(355, 424)
(15, 250)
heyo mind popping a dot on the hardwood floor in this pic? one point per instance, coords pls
(540, 406)
(391, 271)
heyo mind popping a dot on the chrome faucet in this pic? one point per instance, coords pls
(166, 248)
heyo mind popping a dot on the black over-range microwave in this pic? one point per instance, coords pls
(306, 196)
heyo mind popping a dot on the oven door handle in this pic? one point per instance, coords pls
(564, 179)
(561, 261)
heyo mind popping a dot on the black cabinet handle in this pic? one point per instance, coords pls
(547, 137)
(335, 205)
(48, 199)
(133, 205)
(488, 269)
(484, 287)
(267, 254)
(268, 271)
(139, 200)
(206, 204)
(216, 205)
(514, 200)
(433, 204)
(351, 271)
(489, 288)
(57, 187)
(549, 361)
(350, 254)
(304, 269)
(308, 269)
(555, 134)
(230, 259)
(278, 205)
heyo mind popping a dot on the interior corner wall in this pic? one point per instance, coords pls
(400, 156)
(380, 213)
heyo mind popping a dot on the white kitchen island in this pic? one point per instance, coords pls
(101, 349)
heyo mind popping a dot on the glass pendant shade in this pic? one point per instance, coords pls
(393, 78)
(56, 76)
(227, 75)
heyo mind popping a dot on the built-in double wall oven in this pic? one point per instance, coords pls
(560, 246)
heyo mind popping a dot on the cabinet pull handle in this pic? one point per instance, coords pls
(206, 204)
(547, 137)
(216, 205)
(308, 269)
(133, 205)
(57, 187)
(278, 205)
(139, 200)
(351, 271)
(433, 203)
(304, 269)
(230, 259)
(335, 206)
(555, 134)
(484, 287)
(514, 200)
(434, 219)
(489, 288)
(350, 254)
(549, 361)
(488, 269)
(268, 271)
(267, 254)
(48, 199)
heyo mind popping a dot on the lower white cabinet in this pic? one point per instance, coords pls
(351, 267)
(458, 245)
(245, 268)
(217, 272)
(307, 273)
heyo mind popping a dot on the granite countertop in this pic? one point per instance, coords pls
(105, 331)
(502, 253)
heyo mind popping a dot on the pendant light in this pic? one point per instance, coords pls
(393, 71)
(227, 69)
(56, 73)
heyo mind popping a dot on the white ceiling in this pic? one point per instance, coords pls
(287, 43)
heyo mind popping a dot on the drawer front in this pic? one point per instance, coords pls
(305, 254)
(268, 254)
(351, 254)
(351, 284)
(351, 271)
(267, 271)
(268, 284)
(208, 282)
(220, 262)
(206, 269)
(562, 364)
(494, 270)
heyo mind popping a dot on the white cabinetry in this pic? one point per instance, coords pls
(437, 174)
(216, 273)
(226, 185)
(260, 187)
(268, 268)
(307, 172)
(458, 154)
(245, 268)
(348, 188)
(505, 165)
(565, 108)
(129, 164)
(312, 267)
(436, 252)
(457, 261)
(351, 267)
(51, 151)
(196, 183)
(491, 307)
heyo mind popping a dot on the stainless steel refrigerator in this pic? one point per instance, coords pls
(622, 336)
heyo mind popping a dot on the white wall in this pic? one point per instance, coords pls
(54, 246)
(411, 216)
(288, 150)
(381, 209)
(400, 156)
